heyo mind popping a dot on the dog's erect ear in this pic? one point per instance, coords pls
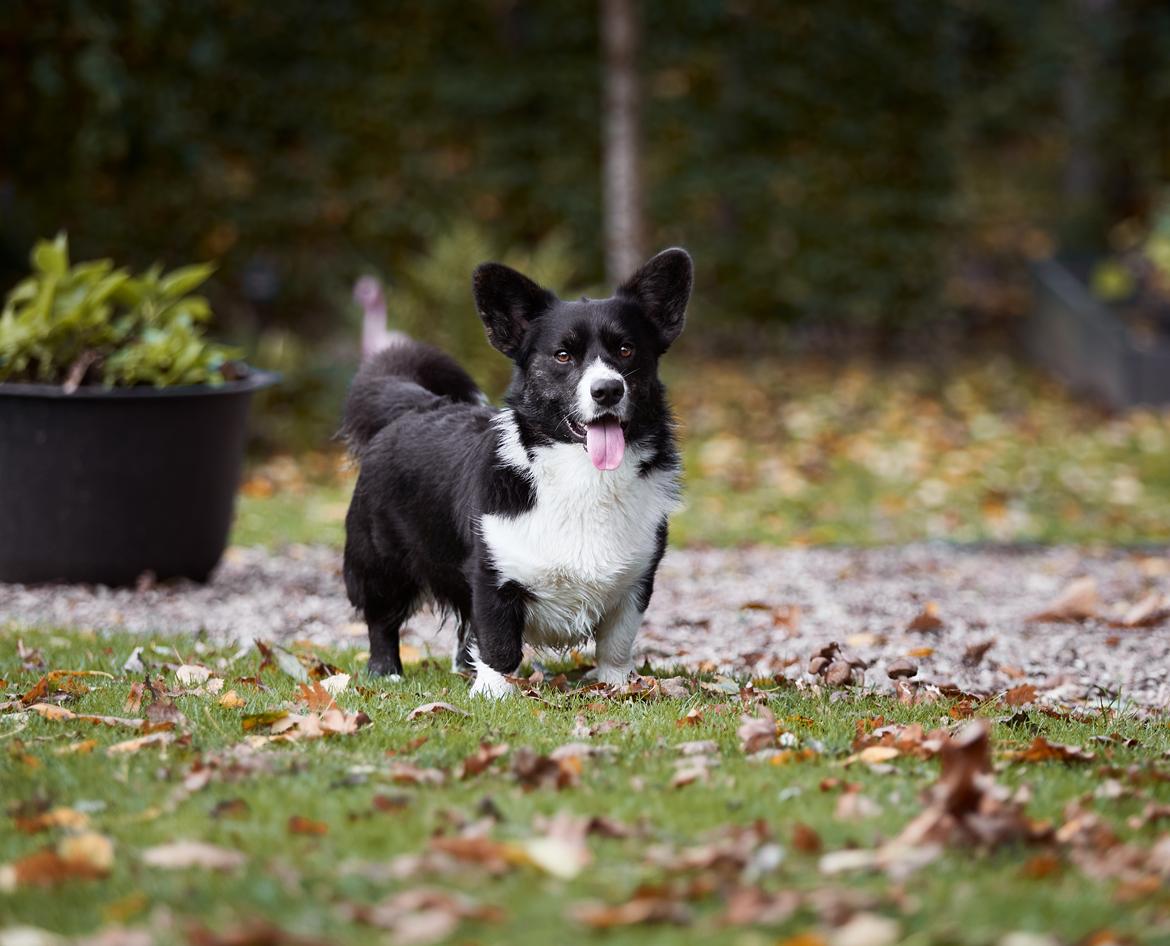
(663, 287)
(508, 303)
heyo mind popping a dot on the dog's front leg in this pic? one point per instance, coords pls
(615, 642)
(498, 615)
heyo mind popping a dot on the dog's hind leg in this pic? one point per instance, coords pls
(385, 613)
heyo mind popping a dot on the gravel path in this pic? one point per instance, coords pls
(764, 611)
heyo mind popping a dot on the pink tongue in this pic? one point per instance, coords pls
(606, 443)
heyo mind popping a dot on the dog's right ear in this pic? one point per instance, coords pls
(662, 287)
(508, 302)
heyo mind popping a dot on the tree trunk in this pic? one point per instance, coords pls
(621, 184)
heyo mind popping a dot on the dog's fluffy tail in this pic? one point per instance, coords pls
(387, 385)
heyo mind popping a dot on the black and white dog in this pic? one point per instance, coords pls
(542, 522)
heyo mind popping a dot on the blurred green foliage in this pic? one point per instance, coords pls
(438, 282)
(68, 324)
(817, 157)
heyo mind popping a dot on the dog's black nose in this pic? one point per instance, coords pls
(607, 391)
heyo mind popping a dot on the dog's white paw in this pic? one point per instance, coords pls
(490, 683)
(611, 676)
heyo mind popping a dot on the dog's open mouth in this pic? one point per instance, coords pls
(604, 439)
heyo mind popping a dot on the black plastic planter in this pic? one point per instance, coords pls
(1089, 347)
(104, 485)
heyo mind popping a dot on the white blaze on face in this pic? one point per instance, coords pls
(605, 440)
(598, 371)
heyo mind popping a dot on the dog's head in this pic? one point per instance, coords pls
(587, 371)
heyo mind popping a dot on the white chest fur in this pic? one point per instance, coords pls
(585, 543)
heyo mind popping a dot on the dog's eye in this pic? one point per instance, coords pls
(563, 357)
(626, 351)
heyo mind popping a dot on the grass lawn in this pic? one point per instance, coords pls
(785, 451)
(325, 829)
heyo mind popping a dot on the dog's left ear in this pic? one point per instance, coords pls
(508, 302)
(663, 288)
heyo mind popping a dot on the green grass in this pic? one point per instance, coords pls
(791, 451)
(314, 514)
(301, 883)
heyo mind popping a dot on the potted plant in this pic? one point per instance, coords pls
(122, 428)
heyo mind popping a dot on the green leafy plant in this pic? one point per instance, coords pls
(92, 323)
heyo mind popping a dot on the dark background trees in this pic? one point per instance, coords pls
(826, 161)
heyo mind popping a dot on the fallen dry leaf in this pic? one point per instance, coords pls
(404, 773)
(484, 756)
(854, 806)
(88, 847)
(232, 700)
(119, 910)
(250, 933)
(60, 714)
(965, 806)
(53, 818)
(757, 732)
(839, 673)
(1077, 602)
(85, 856)
(583, 730)
(874, 755)
(676, 688)
(1152, 610)
(60, 681)
(134, 697)
(298, 824)
(974, 653)
(234, 808)
(409, 747)
(644, 908)
(161, 711)
(901, 669)
(1041, 750)
(77, 748)
(422, 915)
(908, 739)
(186, 854)
(698, 747)
(805, 839)
(190, 675)
(533, 770)
(821, 659)
(295, 727)
(561, 849)
(751, 906)
(335, 684)
(583, 750)
(866, 929)
(694, 717)
(435, 709)
(153, 741)
(1020, 695)
(315, 696)
(262, 720)
(694, 769)
(927, 619)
